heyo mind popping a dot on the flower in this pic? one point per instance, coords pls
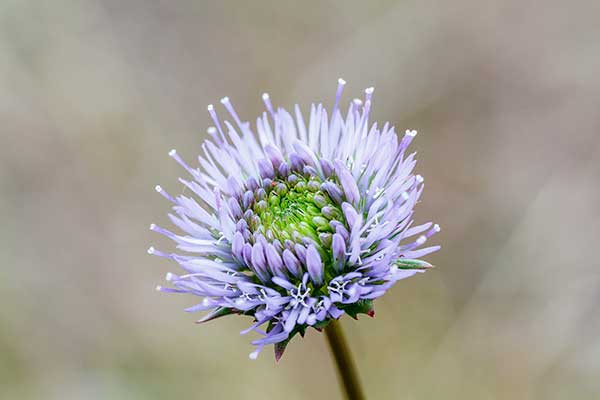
(299, 223)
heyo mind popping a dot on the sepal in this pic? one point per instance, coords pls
(408, 263)
(363, 306)
(280, 347)
(217, 313)
(320, 325)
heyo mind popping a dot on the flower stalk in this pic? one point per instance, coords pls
(346, 368)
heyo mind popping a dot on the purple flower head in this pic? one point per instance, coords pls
(298, 223)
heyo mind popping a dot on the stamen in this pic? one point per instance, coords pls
(225, 101)
(268, 105)
(375, 224)
(173, 154)
(338, 95)
(263, 297)
(409, 135)
(367, 109)
(349, 253)
(152, 251)
(435, 229)
(164, 193)
(319, 306)
(300, 294)
(378, 192)
(369, 94)
(162, 231)
(212, 131)
(254, 354)
(215, 118)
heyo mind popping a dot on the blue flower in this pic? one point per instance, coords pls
(296, 224)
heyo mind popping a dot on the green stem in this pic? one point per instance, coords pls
(346, 368)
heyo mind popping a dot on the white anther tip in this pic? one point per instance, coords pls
(341, 81)
(253, 355)
(158, 288)
(169, 277)
(225, 100)
(152, 227)
(410, 132)
(210, 107)
(369, 90)
(358, 102)
(419, 178)
(211, 130)
(150, 250)
(265, 96)
(437, 228)
(172, 153)
(158, 188)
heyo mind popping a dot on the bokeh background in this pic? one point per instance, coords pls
(505, 95)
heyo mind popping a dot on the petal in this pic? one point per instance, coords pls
(314, 265)
(348, 183)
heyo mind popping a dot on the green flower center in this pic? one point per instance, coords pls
(294, 209)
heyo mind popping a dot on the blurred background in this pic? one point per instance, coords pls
(505, 95)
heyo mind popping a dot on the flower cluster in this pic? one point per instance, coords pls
(299, 223)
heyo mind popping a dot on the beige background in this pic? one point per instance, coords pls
(505, 95)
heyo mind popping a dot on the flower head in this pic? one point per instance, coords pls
(299, 223)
